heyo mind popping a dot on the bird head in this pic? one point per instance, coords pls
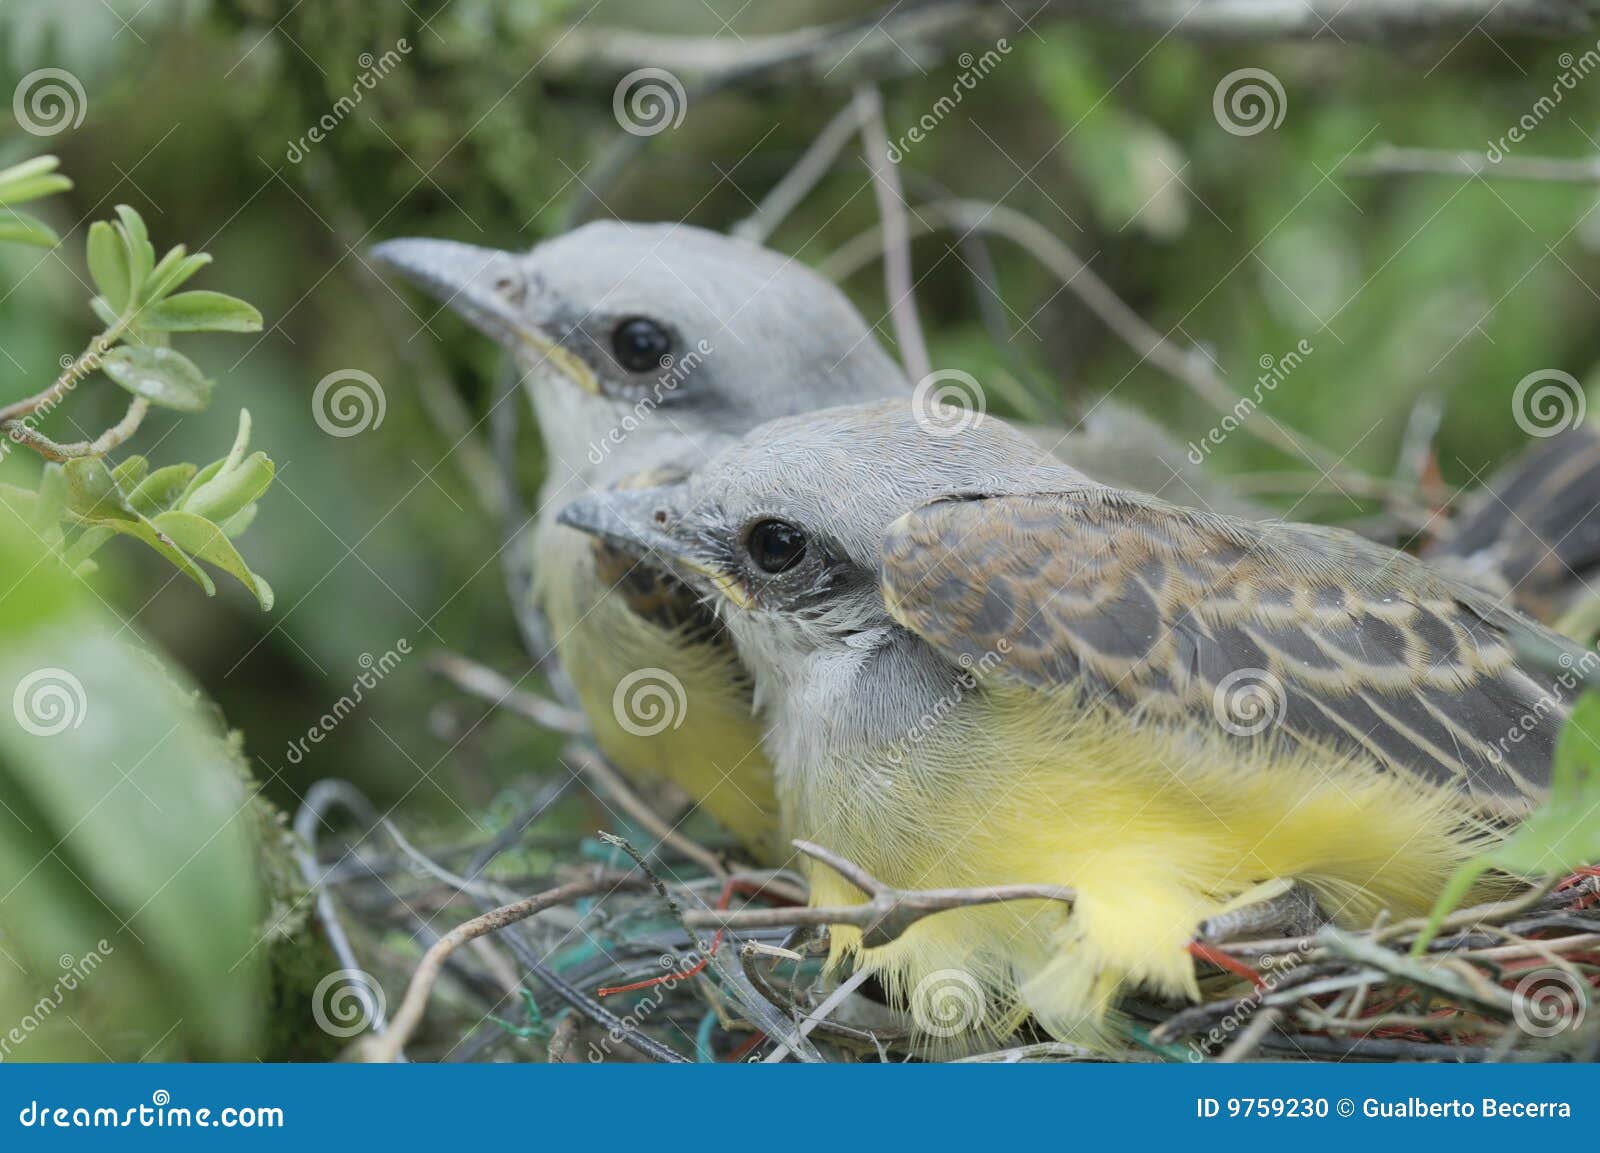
(784, 529)
(613, 321)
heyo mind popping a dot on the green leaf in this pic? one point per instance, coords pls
(24, 502)
(101, 307)
(142, 529)
(130, 471)
(1559, 836)
(141, 257)
(52, 497)
(241, 442)
(174, 269)
(28, 169)
(108, 265)
(32, 179)
(228, 491)
(15, 228)
(205, 540)
(160, 375)
(20, 191)
(161, 489)
(128, 822)
(236, 524)
(91, 491)
(201, 312)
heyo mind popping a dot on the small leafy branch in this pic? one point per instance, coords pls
(185, 512)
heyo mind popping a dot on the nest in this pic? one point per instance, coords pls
(531, 947)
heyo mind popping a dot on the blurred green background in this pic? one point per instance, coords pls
(1439, 289)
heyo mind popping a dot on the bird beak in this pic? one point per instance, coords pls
(650, 523)
(488, 288)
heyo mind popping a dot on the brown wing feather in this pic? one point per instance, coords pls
(1146, 606)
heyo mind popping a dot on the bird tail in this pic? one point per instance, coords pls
(1533, 533)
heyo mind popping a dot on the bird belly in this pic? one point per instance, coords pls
(1153, 829)
(685, 716)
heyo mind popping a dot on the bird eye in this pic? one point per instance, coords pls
(639, 344)
(775, 545)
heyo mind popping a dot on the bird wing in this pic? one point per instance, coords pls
(1174, 613)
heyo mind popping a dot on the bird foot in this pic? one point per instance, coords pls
(1278, 908)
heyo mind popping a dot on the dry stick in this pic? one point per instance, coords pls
(1056, 1050)
(600, 772)
(1250, 1039)
(1390, 161)
(99, 446)
(896, 234)
(566, 1032)
(759, 1012)
(818, 1015)
(885, 915)
(881, 40)
(1190, 366)
(485, 683)
(306, 826)
(81, 366)
(388, 1046)
(786, 195)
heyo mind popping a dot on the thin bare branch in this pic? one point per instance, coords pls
(1391, 161)
(885, 915)
(486, 684)
(390, 1045)
(797, 183)
(886, 41)
(897, 279)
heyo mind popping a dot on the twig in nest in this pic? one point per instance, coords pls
(871, 1040)
(307, 825)
(757, 1009)
(599, 772)
(389, 1045)
(885, 915)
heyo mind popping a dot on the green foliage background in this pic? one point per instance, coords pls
(1406, 287)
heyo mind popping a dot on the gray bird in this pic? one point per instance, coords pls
(644, 349)
(980, 667)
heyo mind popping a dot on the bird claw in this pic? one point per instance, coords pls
(1286, 908)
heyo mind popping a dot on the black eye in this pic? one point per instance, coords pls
(775, 545)
(639, 344)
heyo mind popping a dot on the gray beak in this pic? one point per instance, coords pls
(638, 521)
(649, 523)
(484, 285)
